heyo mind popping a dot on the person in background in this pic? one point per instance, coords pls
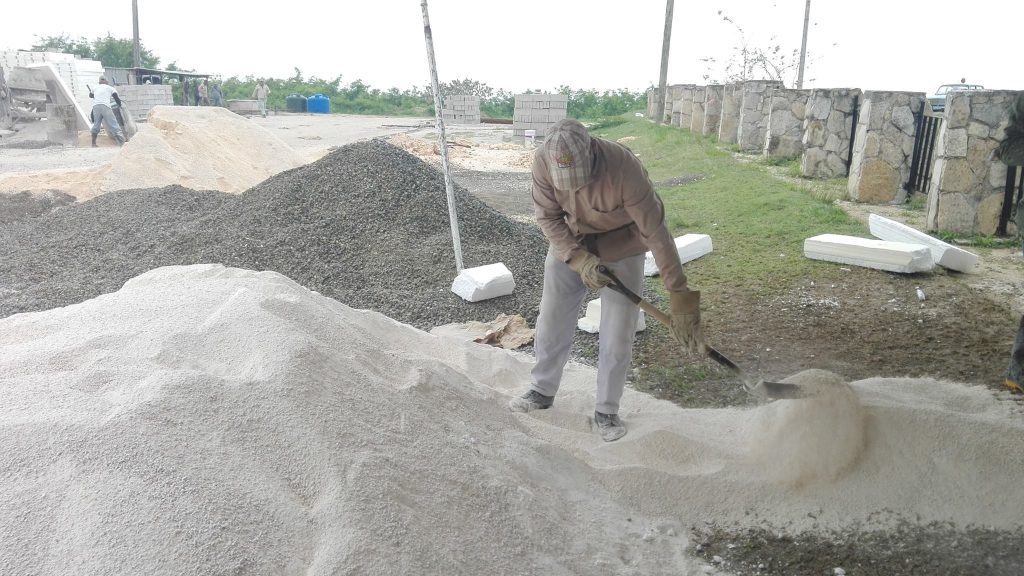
(596, 205)
(103, 112)
(260, 93)
(186, 87)
(195, 91)
(204, 93)
(216, 96)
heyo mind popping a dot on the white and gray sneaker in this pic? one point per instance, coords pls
(609, 426)
(532, 400)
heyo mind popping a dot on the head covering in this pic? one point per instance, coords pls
(567, 146)
(103, 80)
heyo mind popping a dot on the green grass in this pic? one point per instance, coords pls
(757, 222)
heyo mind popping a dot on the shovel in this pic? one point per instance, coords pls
(757, 388)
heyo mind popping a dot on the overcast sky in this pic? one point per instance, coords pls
(542, 44)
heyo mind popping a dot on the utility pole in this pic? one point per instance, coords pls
(663, 78)
(136, 52)
(803, 47)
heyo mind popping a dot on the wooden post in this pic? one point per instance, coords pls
(442, 143)
(659, 111)
(136, 48)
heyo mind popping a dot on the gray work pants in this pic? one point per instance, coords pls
(556, 327)
(103, 114)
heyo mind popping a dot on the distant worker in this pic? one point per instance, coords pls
(204, 93)
(596, 205)
(103, 112)
(195, 91)
(216, 96)
(260, 93)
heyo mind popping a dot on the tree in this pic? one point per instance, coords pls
(117, 53)
(63, 43)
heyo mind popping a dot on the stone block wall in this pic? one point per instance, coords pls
(732, 101)
(461, 109)
(966, 192)
(883, 147)
(785, 135)
(537, 112)
(713, 95)
(672, 94)
(652, 103)
(682, 108)
(141, 98)
(697, 121)
(828, 125)
(755, 104)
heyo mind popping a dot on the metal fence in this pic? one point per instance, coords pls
(925, 134)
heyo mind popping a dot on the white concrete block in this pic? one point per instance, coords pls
(689, 246)
(484, 282)
(944, 254)
(869, 253)
(591, 321)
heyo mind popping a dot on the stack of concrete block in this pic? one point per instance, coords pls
(141, 98)
(76, 73)
(688, 246)
(461, 109)
(538, 112)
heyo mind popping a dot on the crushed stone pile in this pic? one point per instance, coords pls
(367, 225)
(210, 420)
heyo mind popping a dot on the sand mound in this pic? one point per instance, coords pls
(199, 147)
(503, 157)
(203, 148)
(233, 422)
(207, 420)
(813, 439)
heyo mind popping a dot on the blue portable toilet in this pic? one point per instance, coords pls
(318, 104)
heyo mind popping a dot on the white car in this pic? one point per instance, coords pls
(938, 99)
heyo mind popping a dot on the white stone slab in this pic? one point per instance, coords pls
(591, 322)
(870, 253)
(944, 254)
(484, 282)
(689, 246)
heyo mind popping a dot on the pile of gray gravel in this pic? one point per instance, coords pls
(366, 225)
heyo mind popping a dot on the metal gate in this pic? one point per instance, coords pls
(1012, 194)
(925, 132)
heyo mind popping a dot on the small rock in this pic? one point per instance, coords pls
(920, 294)
(845, 270)
(648, 537)
(717, 559)
(838, 572)
(670, 532)
(730, 546)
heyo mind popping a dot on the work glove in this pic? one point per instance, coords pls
(585, 264)
(686, 327)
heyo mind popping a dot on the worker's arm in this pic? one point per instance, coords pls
(550, 214)
(116, 97)
(646, 209)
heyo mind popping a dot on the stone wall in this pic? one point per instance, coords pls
(697, 122)
(732, 102)
(461, 109)
(652, 103)
(682, 108)
(828, 126)
(883, 147)
(966, 193)
(713, 95)
(537, 112)
(675, 92)
(141, 98)
(785, 135)
(755, 104)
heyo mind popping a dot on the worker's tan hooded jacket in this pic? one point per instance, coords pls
(615, 215)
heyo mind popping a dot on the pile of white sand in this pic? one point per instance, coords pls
(208, 420)
(199, 147)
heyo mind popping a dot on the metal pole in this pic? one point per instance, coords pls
(663, 78)
(803, 47)
(136, 51)
(442, 143)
